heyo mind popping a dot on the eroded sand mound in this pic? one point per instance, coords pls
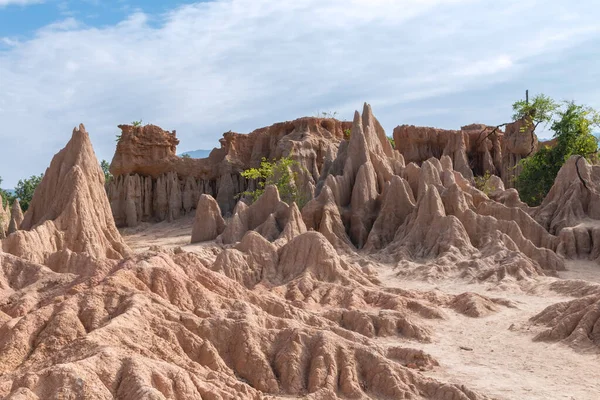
(69, 213)
(290, 317)
(429, 220)
(280, 302)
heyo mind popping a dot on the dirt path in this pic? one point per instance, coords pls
(505, 362)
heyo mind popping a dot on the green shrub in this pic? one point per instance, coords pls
(106, 169)
(392, 142)
(573, 131)
(26, 188)
(280, 173)
(481, 183)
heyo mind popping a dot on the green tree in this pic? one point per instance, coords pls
(25, 189)
(186, 156)
(280, 173)
(106, 169)
(573, 132)
(541, 110)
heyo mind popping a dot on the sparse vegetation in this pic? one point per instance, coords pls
(573, 132)
(347, 133)
(280, 173)
(481, 183)
(392, 142)
(541, 110)
(134, 123)
(327, 114)
(186, 156)
(106, 169)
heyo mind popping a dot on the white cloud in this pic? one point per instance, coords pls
(4, 3)
(206, 68)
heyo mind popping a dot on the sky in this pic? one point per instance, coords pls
(204, 68)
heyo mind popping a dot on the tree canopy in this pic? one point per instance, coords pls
(106, 169)
(25, 189)
(573, 133)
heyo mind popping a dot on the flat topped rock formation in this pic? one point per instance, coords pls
(151, 183)
(474, 149)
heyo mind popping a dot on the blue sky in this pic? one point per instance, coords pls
(21, 18)
(205, 68)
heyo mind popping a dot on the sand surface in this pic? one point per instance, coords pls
(494, 355)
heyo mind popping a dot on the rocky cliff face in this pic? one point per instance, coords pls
(474, 149)
(152, 184)
(368, 199)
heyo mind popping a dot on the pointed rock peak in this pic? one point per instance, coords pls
(412, 174)
(269, 229)
(16, 217)
(71, 207)
(295, 224)
(436, 163)
(429, 175)
(16, 211)
(208, 222)
(367, 115)
(573, 169)
(398, 203)
(429, 205)
(494, 184)
(446, 162)
(454, 200)
(240, 207)
(376, 138)
(309, 253)
(255, 242)
(401, 188)
(269, 197)
(357, 121)
(255, 215)
(357, 135)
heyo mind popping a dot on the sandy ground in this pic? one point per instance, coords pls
(504, 363)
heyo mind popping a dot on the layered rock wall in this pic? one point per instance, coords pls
(151, 183)
(474, 149)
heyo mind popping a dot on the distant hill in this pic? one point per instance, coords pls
(197, 153)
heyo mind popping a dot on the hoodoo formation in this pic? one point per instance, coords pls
(346, 296)
(152, 183)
